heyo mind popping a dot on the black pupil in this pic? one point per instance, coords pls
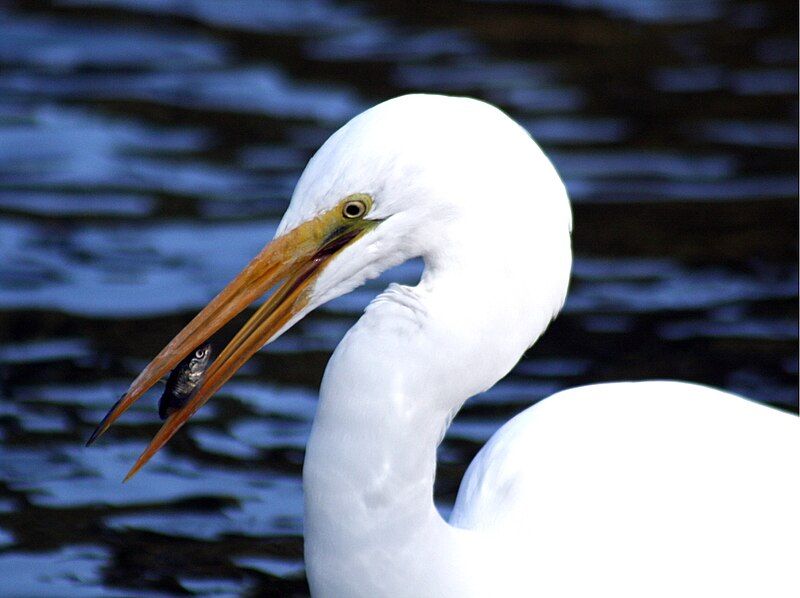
(352, 209)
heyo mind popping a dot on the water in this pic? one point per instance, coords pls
(147, 150)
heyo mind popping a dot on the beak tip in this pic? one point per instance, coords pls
(98, 431)
(105, 423)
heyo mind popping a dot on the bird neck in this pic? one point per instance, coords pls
(387, 397)
(371, 459)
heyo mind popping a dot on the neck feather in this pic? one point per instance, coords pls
(371, 461)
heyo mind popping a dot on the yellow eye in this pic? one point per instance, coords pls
(355, 208)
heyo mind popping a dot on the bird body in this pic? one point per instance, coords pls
(626, 490)
(653, 488)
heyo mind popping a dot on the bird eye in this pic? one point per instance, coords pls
(355, 208)
(199, 353)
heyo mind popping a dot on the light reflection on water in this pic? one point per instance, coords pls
(147, 149)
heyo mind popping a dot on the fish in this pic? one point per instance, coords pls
(184, 379)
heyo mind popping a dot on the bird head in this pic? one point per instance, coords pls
(415, 176)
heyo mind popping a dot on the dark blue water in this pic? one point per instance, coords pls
(147, 151)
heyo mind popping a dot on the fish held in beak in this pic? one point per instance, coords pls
(184, 379)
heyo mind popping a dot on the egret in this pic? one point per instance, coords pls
(638, 489)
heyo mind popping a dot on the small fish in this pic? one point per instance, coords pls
(183, 380)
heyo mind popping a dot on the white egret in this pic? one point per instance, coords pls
(628, 489)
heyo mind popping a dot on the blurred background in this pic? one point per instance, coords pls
(148, 148)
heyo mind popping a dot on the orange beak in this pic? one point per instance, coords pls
(291, 262)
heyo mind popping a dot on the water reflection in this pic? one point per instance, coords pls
(147, 149)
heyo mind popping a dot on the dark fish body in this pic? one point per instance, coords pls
(184, 379)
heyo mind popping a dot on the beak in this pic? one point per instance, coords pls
(291, 262)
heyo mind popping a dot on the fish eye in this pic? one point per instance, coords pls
(355, 208)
